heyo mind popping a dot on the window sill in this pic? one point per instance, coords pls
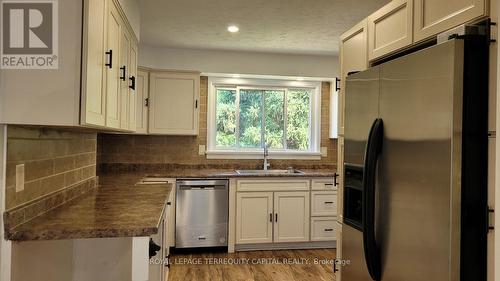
(296, 155)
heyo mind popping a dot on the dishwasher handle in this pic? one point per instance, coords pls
(207, 188)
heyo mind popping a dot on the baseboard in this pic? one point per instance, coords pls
(287, 246)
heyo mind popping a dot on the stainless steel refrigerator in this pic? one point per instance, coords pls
(415, 166)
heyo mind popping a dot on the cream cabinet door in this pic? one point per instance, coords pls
(124, 65)
(113, 85)
(132, 86)
(390, 28)
(323, 229)
(291, 217)
(435, 16)
(353, 57)
(254, 217)
(174, 104)
(93, 74)
(142, 93)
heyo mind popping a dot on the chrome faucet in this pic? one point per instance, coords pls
(267, 165)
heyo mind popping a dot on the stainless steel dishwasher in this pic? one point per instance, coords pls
(201, 213)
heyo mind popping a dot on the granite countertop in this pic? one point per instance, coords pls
(228, 173)
(118, 208)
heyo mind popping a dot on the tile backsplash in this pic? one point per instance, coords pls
(54, 159)
(183, 150)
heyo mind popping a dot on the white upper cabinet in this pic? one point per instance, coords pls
(174, 103)
(113, 85)
(124, 67)
(132, 86)
(353, 57)
(94, 97)
(390, 28)
(85, 89)
(142, 92)
(435, 16)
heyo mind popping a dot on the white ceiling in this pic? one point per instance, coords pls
(276, 26)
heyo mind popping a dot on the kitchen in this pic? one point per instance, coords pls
(184, 140)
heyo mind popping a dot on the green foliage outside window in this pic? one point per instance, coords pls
(273, 110)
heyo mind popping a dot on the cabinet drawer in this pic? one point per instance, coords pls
(323, 229)
(323, 203)
(272, 185)
(323, 184)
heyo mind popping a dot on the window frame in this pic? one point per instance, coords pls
(215, 83)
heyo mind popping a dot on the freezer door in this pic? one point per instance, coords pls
(362, 106)
(352, 251)
(418, 228)
(361, 109)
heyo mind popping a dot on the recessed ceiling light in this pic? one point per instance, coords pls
(233, 28)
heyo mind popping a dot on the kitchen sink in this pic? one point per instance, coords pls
(269, 172)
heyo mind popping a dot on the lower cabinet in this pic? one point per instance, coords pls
(285, 211)
(291, 217)
(254, 217)
(338, 268)
(323, 228)
(267, 217)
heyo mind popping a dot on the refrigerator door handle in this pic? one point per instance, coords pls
(372, 152)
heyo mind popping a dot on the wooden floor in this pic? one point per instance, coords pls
(285, 265)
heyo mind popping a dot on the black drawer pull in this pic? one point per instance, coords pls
(335, 182)
(110, 56)
(132, 79)
(328, 229)
(328, 184)
(271, 217)
(328, 202)
(276, 218)
(123, 78)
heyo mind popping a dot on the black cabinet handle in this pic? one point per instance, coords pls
(328, 229)
(335, 269)
(271, 217)
(146, 102)
(328, 202)
(337, 84)
(109, 54)
(488, 212)
(123, 78)
(335, 177)
(276, 217)
(169, 203)
(132, 79)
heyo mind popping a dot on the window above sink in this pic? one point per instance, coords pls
(244, 115)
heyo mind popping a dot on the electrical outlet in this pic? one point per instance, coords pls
(324, 151)
(19, 177)
(201, 150)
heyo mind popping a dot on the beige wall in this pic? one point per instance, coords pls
(54, 159)
(131, 149)
(239, 62)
